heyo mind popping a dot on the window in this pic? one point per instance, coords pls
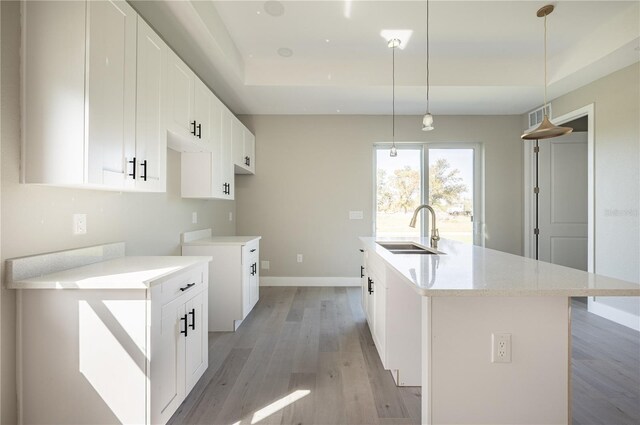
(445, 176)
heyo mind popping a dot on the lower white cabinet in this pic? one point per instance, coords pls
(233, 275)
(130, 354)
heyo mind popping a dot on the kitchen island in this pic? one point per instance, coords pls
(494, 329)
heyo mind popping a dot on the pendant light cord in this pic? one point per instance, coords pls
(393, 103)
(427, 56)
(544, 107)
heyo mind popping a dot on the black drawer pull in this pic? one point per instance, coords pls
(370, 289)
(193, 124)
(144, 166)
(361, 271)
(199, 126)
(193, 319)
(253, 250)
(184, 319)
(133, 173)
(184, 288)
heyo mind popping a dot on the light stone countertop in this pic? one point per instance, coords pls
(222, 240)
(119, 273)
(469, 270)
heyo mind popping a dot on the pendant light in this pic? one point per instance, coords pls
(546, 129)
(393, 44)
(427, 120)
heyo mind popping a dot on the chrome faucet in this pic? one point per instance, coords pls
(435, 235)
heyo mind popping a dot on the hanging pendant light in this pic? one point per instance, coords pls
(427, 120)
(546, 129)
(393, 44)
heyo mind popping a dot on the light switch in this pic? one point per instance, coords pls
(356, 215)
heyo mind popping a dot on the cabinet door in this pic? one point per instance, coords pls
(217, 171)
(249, 151)
(371, 306)
(226, 153)
(151, 130)
(237, 141)
(196, 352)
(379, 321)
(167, 357)
(202, 114)
(254, 275)
(181, 102)
(111, 93)
(247, 268)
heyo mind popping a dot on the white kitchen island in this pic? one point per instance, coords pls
(467, 296)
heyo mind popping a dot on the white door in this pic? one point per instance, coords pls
(168, 323)
(181, 102)
(202, 110)
(111, 93)
(563, 200)
(196, 354)
(151, 130)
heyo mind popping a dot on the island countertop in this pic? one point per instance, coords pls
(469, 270)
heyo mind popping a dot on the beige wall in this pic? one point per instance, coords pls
(617, 173)
(37, 219)
(311, 170)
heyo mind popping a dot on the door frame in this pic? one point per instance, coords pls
(529, 168)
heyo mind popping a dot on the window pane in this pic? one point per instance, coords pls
(399, 186)
(451, 192)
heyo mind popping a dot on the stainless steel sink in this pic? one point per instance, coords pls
(408, 248)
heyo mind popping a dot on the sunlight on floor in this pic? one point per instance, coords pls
(278, 405)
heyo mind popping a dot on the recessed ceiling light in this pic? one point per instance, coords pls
(257, 12)
(285, 52)
(274, 8)
(338, 110)
(327, 40)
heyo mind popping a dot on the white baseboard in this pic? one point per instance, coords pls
(308, 281)
(614, 314)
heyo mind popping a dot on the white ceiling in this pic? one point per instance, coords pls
(486, 56)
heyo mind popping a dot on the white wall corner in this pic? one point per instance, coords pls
(308, 281)
(616, 315)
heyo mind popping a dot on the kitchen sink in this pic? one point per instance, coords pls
(407, 248)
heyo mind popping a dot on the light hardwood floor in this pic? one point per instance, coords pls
(305, 356)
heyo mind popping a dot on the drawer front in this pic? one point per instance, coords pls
(189, 282)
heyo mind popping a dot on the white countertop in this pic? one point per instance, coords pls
(119, 273)
(222, 240)
(469, 270)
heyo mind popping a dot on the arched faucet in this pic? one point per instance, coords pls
(435, 235)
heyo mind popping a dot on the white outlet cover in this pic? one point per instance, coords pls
(299, 257)
(230, 216)
(265, 264)
(79, 224)
(194, 217)
(356, 215)
(500, 348)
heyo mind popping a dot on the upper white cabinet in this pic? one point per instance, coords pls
(81, 119)
(190, 103)
(210, 174)
(244, 146)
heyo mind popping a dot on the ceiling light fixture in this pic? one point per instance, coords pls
(427, 120)
(546, 129)
(274, 8)
(393, 44)
(285, 52)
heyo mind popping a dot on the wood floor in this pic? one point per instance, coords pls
(305, 356)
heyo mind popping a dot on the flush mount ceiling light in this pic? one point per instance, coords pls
(427, 120)
(274, 8)
(285, 52)
(393, 44)
(546, 129)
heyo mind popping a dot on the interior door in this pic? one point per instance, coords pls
(196, 355)
(563, 200)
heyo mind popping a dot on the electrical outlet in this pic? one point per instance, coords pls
(265, 265)
(355, 215)
(194, 217)
(79, 224)
(230, 216)
(500, 348)
(299, 258)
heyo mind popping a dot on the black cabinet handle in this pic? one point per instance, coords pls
(225, 188)
(370, 289)
(193, 319)
(254, 269)
(193, 124)
(199, 135)
(184, 319)
(247, 161)
(143, 164)
(361, 271)
(133, 162)
(362, 250)
(184, 288)
(253, 250)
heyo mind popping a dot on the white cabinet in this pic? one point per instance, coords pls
(80, 89)
(244, 146)
(233, 276)
(210, 174)
(128, 349)
(375, 303)
(190, 101)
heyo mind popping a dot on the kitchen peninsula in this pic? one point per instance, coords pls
(489, 333)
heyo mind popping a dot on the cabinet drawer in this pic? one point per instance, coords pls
(375, 266)
(189, 282)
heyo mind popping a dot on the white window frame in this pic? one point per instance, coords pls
(478, 182)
